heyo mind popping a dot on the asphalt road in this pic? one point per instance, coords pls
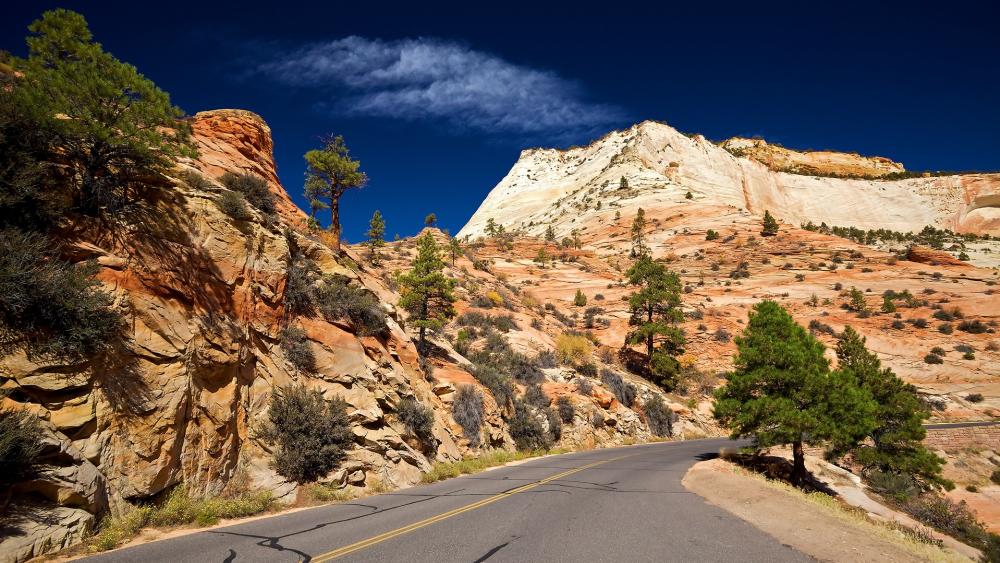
(621, 504)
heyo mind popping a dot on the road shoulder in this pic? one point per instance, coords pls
(822, 530)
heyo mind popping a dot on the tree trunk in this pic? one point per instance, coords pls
(798, 463)
(649, 339)
(335, 222)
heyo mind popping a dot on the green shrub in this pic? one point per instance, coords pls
(526, 429)
(535, 397)
(974, 397)
(234, 205)
(954, 519)
(310, 432)
(48, 307)
(467, 410)
(625, 392)
(297, 349)
(555, 424)
(337, 299)
(573, 348)
(579, 299)
(300, 293)
(894, 485)
(945, 328)
(659, 416)
(933, 359)
(253, 188)
(418, 419)
(938, 351)
(565, 408)
(974, 327)
(499, 384)
(20, 446)
(711, 235)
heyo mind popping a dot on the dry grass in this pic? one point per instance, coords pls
(914, 541)
(179, 509)
(489, 458)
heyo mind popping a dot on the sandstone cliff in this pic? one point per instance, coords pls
(580, 187)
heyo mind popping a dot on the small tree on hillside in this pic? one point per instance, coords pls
(897, 439)
(623, 183)
(770, 225)
(655, 309)
(376, 237)
(330, 171)
(491, 227)
(579, 299)
(783, 392)
(426, 291)
(639, 248)
(455, 249)
(550, 234)
(430, 220)
(111, 128)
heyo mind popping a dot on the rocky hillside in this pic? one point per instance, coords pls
(183, 400)
(581, 188)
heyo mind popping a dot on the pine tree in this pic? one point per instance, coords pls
(550, 234)
(376, 237)
(579, 299)
(426, 292)
(655, 313)
(783, 392)
(542, 257)
(639, 248)
(897, 439)
(455, 249)
(330, 171)
(887, 304)
(623, 183)
(491, 227)
(430, 220)
(770, 225)
(113, 128)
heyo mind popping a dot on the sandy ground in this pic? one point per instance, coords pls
(799, 523)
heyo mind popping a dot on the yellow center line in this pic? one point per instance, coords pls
(340, 552)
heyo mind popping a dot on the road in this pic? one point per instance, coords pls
(620, 504)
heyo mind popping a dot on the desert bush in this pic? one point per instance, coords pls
(555, 424)
(579, 299)
(933, 359)
(499, 384)
(898, 486)
(584, 386)
(310, 432)
(337, 299)
(898, 325)
(945, 328)
(659, 417)
(954, 519)
(535, 397)
(995, 477)
(467, 410)
(974, 397)
(573, 348)
(298, 351)
(546, 359)
(565, 408)
(50, 308)
(623, 390)
(20, 446)
(919, 323)
(815, 326)
(587, 368)
(526, 429)
(418, 419)
(938, 351)
(253, 188)
(973, 327)
(234, 205)
(722, 335)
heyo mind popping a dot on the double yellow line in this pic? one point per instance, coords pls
(340, 552)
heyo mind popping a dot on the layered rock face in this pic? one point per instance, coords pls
(203, 295)
(661, 165)
(812, 163)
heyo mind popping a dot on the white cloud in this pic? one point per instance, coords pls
(427, 78)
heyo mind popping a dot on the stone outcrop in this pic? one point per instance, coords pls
(812, 163)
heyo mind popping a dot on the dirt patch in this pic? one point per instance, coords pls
(813, 524)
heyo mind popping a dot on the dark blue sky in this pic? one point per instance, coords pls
(437, 131)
